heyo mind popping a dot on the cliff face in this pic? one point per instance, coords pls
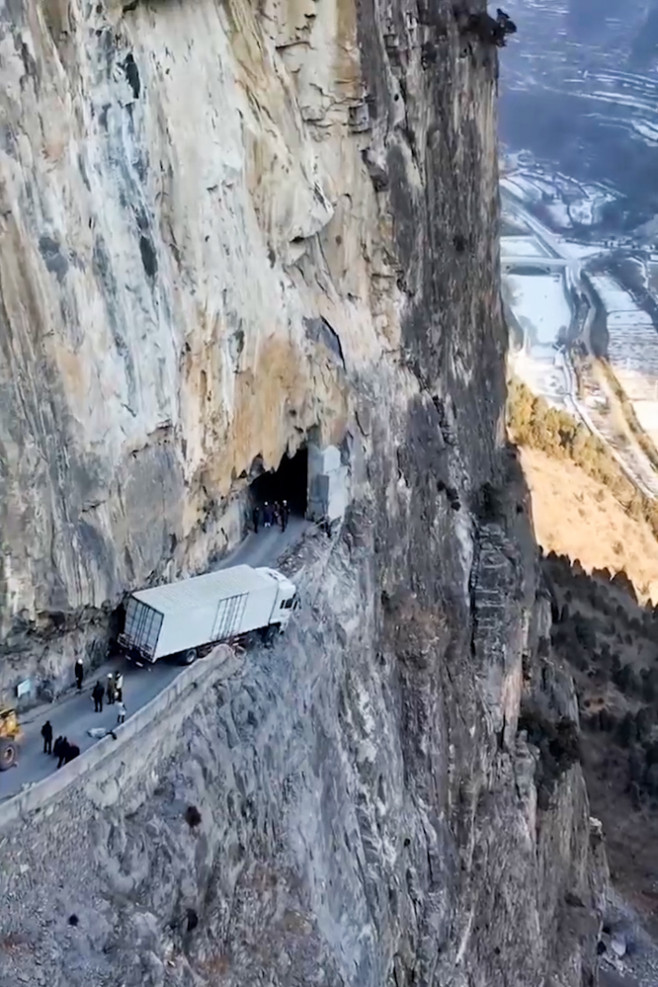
(226, 230)
(185, 192)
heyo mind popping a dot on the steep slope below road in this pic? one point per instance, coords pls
(226, 231)
(347, 833)
(609, 642)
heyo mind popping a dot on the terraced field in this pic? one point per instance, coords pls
(579, 89)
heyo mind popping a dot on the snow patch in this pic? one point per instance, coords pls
(540, 304)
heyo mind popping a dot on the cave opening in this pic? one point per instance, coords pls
(288, 482)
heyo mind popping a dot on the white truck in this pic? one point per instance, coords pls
(191, 615)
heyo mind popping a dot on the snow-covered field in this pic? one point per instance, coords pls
(544, 307)
(544, 375)
(522, 246)
(632, 351)
(567, 203)
(580, 95)
(540, 304)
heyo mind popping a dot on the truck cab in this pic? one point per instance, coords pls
(286, 597)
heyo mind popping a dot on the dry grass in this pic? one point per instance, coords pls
(577, 517)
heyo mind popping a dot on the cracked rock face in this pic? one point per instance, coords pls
(222, 227)
(358, 819)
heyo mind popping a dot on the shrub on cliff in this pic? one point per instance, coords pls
(532, 422)
(625, 679)
(651, 754)
(607, 720)
(644, 721)
(559, 749)
(627, 731)
(585, 633)
(649, 678)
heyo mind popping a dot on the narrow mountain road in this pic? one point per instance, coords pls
(72, 715)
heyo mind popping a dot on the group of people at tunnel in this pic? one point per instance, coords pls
(268, 515)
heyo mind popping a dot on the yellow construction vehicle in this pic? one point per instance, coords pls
(10, 734)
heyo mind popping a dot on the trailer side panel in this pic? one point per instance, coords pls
(229, 617)
(181, 631)
(205, 609)
(258, 608)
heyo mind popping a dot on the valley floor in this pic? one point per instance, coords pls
(575, 516)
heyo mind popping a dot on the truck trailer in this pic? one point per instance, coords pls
(188, 616)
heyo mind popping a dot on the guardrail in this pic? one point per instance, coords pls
(102, 757)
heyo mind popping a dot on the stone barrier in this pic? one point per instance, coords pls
(106, 756)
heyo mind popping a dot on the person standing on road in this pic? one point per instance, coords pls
(255, 517)
(121, 712)
(110, 689)
(267, 515)
(118, 686)
(47, 734)
(97, 695)
(61, 746)
(284, 514)
(79, 673)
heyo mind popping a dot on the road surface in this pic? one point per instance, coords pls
(72, 715)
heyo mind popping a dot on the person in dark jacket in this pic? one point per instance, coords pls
(72, 750)
(79, 673)
(267, 515)
(47, 734)
(255, 518)
(285, 513)
(110, 689)
(61, 745)
(97, 695)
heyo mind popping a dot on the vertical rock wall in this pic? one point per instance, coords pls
(224, 226)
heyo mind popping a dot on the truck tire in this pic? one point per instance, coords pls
(8, 754)
(189, 656)
(270, 633)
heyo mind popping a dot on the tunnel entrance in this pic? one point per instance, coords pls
(288, 482)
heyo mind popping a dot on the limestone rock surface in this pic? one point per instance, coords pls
(227, 227)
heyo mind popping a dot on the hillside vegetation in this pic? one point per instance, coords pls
(584, 506)
(610, 643)
(578, 517)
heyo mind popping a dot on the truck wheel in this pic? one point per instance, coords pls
(270, 634)
(189, 656)
(8, 754)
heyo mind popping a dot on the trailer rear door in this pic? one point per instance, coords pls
(142, 627)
